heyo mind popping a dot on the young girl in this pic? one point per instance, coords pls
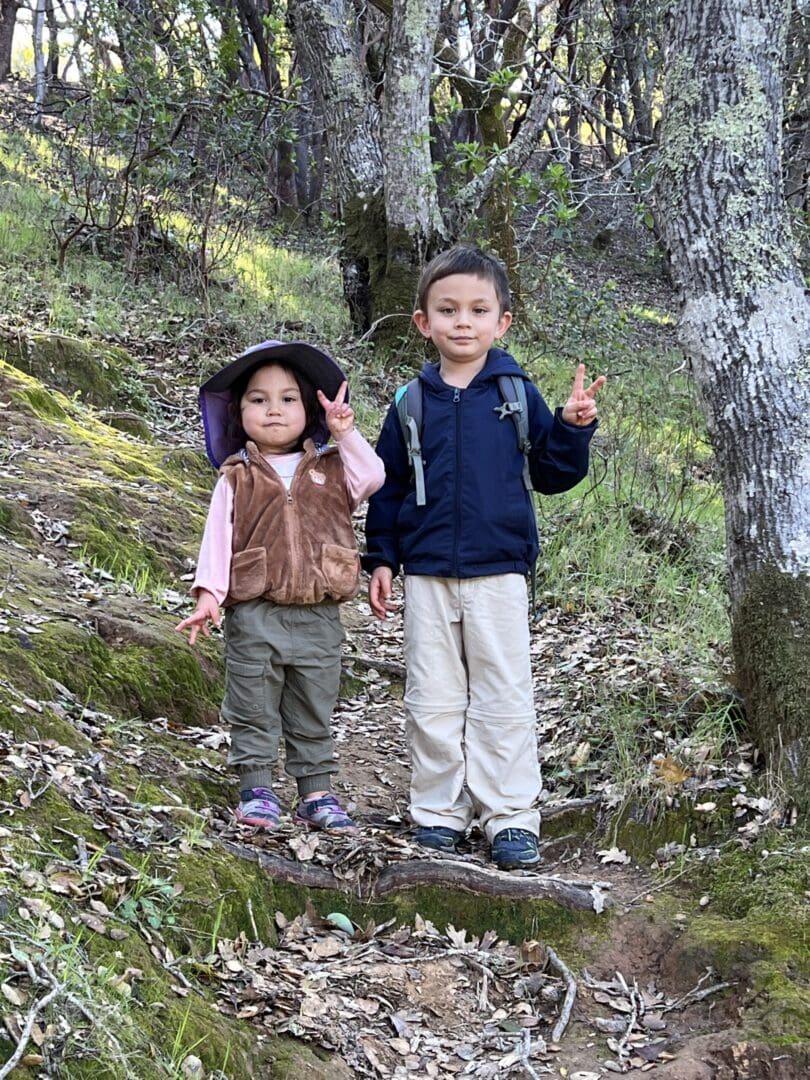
(279, 553)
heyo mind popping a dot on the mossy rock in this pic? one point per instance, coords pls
(642, 828)
(130, 423)
(159, 676)
(14, 521)
(95, 371)
(755, 931)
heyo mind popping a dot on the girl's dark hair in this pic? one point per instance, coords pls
(308, 398)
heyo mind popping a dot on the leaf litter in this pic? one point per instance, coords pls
(389, 1014)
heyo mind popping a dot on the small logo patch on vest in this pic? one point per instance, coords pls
(316, 477)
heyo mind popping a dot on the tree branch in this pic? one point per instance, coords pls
(448, 873)
(513, 156)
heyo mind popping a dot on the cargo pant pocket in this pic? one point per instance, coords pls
(244, 690)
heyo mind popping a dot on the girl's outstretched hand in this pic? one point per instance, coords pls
(207, 610)
(339, 415)
(580, 409)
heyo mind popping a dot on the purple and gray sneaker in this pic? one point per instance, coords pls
(259, 807)
(323, 813)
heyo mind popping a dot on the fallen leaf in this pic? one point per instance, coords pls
(669, 770)
(613, 855)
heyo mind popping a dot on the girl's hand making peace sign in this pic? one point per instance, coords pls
(580, 409)
(339, 415)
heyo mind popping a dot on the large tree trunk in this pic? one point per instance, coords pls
(8, 19)
(413, 221)
(746, 326)
(325, 34)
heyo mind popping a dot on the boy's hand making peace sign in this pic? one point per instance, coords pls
(580, 409)
(339, 415)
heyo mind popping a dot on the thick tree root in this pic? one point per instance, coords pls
(447, 873)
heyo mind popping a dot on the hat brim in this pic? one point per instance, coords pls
(217, 393)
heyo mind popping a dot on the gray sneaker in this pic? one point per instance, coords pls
(258, 807)
(323, 813)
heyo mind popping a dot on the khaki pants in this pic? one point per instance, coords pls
(469, 703)
(282, 674)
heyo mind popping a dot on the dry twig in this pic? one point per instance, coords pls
(28, 1027)
(570, 995)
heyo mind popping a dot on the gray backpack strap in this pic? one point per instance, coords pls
(408, 401)
(513, 392)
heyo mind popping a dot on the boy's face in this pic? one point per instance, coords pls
(462, 318)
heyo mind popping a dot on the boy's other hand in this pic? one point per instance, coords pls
(580, 409)
(207, 610)
(379, 592)
(339, 415)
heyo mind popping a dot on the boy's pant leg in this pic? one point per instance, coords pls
(503, 774)
(310, 692)
(436, 702)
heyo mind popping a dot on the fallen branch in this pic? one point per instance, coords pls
(449, 873)
(390, 667)
(28, 1027)
(570, 995)
(697, 994)
(525, 1051)
(552, 810)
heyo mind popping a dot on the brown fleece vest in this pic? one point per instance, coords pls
(295, 547)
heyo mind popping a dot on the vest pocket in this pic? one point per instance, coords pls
(249, 574)
(341, 570)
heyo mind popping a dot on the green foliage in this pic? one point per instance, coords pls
(151, 900)
(164, 158)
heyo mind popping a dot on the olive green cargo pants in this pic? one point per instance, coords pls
(282, 673)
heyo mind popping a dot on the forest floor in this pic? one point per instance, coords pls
(126, 885)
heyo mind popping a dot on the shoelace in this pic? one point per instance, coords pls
(516, 835)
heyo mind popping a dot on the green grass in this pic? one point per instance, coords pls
(262, 288)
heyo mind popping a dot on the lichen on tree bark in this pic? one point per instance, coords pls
(746, 327)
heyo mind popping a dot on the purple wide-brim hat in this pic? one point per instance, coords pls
(216, 394)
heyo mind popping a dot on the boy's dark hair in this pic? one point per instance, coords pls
(465, 259)
(308, 397)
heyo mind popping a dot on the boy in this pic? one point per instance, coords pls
(466, 553)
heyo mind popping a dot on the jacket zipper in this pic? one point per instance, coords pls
(459, 463)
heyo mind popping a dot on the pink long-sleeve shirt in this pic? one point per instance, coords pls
(364, 472)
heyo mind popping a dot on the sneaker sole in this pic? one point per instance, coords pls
(256, 823)
(324, 828)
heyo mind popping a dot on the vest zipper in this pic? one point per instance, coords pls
(295, 564)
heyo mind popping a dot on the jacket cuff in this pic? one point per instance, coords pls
(371, 562)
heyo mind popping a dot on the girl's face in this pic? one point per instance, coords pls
(272, 410)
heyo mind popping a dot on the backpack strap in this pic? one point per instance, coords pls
(513, 392)
(408, 401)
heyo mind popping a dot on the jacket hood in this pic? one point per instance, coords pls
(498, 362)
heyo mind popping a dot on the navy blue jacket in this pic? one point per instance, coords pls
(478, 518)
